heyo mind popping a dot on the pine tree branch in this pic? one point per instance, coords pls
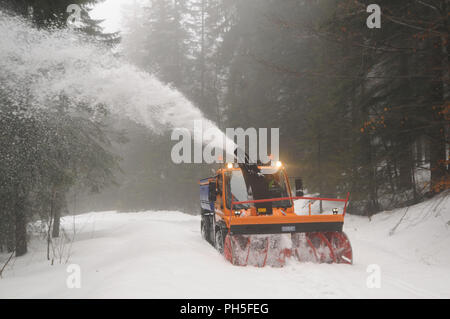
(428, 5)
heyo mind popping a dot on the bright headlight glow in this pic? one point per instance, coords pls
(278, 164)
(230, 165)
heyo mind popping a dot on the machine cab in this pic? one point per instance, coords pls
(233, 187)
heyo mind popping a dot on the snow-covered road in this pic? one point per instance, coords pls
(162, 255)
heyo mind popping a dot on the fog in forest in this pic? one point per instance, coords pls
(86, 116)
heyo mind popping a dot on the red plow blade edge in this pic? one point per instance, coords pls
(261, 250)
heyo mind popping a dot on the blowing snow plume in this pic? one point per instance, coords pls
(39, 66)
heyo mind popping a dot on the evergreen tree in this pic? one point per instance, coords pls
(44, 13)
(94, 30)
(45, 152)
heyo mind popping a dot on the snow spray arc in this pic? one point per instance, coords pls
(216, 144)
(39, 66)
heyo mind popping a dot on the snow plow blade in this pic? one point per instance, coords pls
(270, 240)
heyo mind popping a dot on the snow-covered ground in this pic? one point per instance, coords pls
(161, 255)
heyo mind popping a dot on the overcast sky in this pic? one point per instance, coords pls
(110, 11)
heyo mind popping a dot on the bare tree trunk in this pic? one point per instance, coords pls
(436, 133)
(405, 164)
(21, 227)
(60, 204)
(10, 232)
(367, 160)
(6, 264)
(50, 223)
(405, 154)
(56, 222)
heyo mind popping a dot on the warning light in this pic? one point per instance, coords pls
(230, 165)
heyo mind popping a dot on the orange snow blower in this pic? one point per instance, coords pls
(248, 215)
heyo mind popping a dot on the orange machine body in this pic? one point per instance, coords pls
(236, 219)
